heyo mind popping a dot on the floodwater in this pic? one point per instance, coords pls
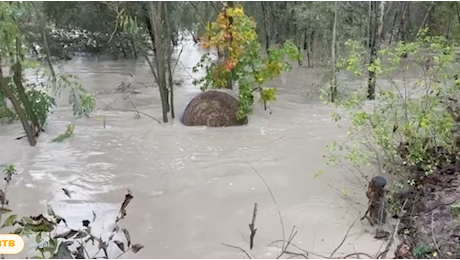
(194, 188)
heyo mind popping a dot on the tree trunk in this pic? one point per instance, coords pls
(449, 24)
(393, 27)
(18, 108)
(404, 26)
(173, 34)
(458, 11)
(229, 41)
(375, 47)
(133, 46)
(170, 50)
(334, 63)
(369, 26)
(157, 22)
(266, 27)
(426, 17)
(46, 47)
(312, 55)
(17, 79)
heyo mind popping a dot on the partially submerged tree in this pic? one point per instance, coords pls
(244, 65)
(31, 104)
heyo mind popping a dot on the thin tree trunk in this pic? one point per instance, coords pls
(18, 108)
(404, 25)
(449, 24)
(133, 46)
(46, 47)
(173, 34)
(17, 79)
(157, 21)
(334, 65)
(369, 26)
(195, 40)
(229, 41)
(458, 11)
(393, 27)
(375, 48)
(267, 27)
(426, 17)
(168, 64)
(312, 54)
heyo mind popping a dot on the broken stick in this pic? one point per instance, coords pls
(251, 227)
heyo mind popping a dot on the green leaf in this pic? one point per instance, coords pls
(127, 236)
(68, 234)
(136, 248)
(9, 221)
(39, 224)
(38, 238)
(52, 246)
(120, 245)
(63, 250)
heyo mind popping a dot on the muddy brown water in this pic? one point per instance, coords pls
(194, 187)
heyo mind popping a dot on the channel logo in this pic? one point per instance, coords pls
(11, 244)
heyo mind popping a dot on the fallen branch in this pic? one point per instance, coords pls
(130, 110)
(251, 227)
(237, 247)
(177, 60)
(137, 111)
(344, 238)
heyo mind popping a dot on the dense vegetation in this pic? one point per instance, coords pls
(412, 136)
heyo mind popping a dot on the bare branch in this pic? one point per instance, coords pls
(237, 247)
(274, 200)
(178, 58)
(358, 254)
(129, 110)
(344, 238)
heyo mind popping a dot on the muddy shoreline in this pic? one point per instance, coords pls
(430, 224)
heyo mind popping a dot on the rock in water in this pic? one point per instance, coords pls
(212, 108)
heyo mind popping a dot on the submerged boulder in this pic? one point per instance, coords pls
(212, 108)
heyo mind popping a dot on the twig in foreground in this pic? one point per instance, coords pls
(237, 247)
(177, 60)
(358, 254)
(299, 248)
(289, 242)
(274, 200)
(251, 227)
(296, 254)
(344, 238)
(137, 111)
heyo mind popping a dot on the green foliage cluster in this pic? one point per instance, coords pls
(409, 118)
(16, 18)
(244, 64)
